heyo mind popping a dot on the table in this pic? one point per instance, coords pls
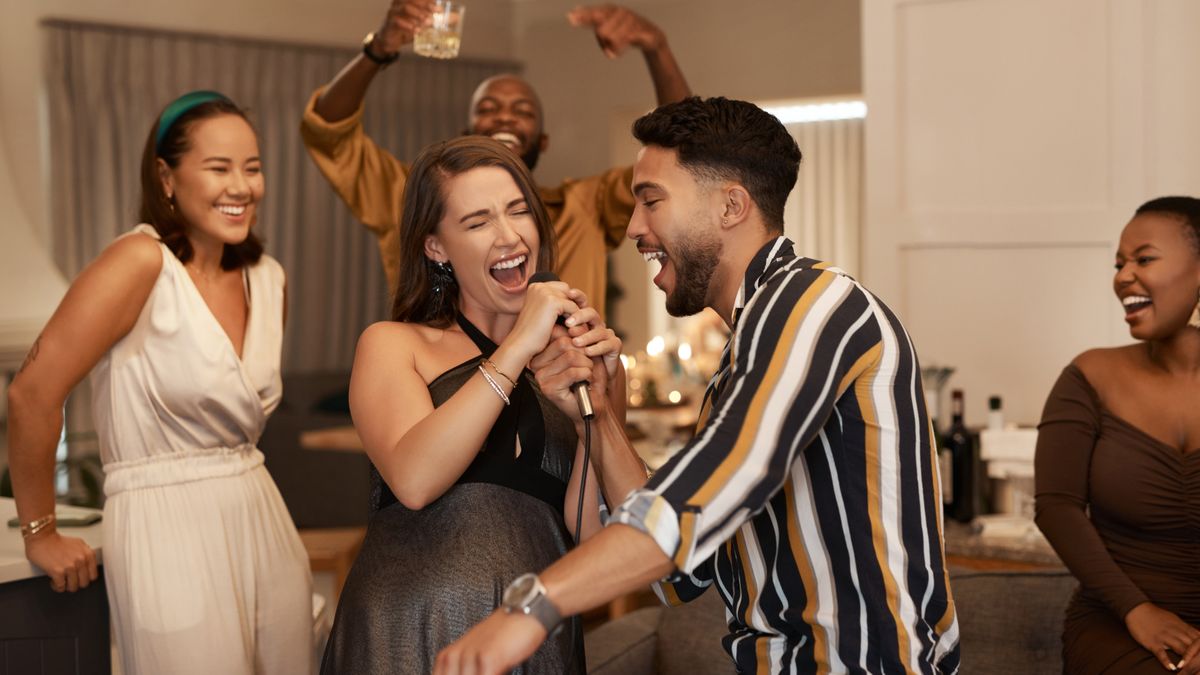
(46, 632)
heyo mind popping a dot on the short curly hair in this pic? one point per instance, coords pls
(1186, 209)
(724, 139)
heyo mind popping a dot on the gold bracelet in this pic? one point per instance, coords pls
(495, 385)
(499, 372)
(34, 526)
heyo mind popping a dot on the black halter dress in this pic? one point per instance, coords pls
(423, 578)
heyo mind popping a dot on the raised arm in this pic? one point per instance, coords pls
(420, 451)
(618, 28)
(346, 91)
(100, 308)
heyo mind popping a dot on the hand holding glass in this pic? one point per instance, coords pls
(441, 35)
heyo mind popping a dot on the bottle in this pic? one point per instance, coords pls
(995, 413)
(957, 443)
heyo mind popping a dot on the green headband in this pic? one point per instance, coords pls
(177, 108)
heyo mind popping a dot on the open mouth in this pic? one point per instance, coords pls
(510, 272)
(1135, 303)
(232, 210)
(652, 254)
(509, 139)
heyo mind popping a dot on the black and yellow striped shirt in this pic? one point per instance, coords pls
(810, 493)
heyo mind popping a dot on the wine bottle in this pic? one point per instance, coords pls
(957, 443)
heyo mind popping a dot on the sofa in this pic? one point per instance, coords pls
(1010, 623)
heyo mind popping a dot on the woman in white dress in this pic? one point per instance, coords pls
(180, 323)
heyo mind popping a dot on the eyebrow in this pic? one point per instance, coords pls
(484, 212)
(228, 160)
(1135, 251)
(645, 185)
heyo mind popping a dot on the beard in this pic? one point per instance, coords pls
(531, 156)
(695, 262)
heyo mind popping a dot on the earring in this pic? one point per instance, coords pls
(443, 276)
(171, 202)
(1194, 322)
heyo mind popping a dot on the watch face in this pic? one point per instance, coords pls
(521, 591)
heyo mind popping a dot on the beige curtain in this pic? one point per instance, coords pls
(824, 212)
(106, 84)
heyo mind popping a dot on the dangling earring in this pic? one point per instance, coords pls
(443, 276)
(1194, 322)
(171, 202)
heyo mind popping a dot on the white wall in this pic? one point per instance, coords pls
(1008, 142)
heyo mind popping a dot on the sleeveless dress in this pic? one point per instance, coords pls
(205, 570)
(423, 578)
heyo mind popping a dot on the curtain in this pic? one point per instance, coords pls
(106, 85)
(824, 212)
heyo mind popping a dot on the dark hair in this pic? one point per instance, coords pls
(156, 209)
(424, 206)
(722, 139)
(1186, 209)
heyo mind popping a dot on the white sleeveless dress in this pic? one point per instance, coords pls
(205, 570)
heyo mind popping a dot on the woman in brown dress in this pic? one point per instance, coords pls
(1118, 462)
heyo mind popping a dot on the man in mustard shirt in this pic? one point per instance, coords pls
(589, 215)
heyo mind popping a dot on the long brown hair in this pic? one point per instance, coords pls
(416, 299)
(157, 210)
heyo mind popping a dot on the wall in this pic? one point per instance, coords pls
(1008, 142)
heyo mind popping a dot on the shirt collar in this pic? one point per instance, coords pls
(773, 255)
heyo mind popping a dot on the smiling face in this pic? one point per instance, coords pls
(490, 237)
(218, 181)
(1158, 275)
(675, 223)
(506, 108)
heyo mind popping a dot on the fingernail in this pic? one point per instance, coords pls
(571, 321)
(578, 342)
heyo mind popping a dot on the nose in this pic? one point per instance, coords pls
(1124, 276)
(506, 233)
(637, 225)
(239, 185)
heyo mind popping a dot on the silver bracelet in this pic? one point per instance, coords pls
(495, 386)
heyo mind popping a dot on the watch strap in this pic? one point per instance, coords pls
(385, 60)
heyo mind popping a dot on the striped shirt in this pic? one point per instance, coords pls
(810, 492)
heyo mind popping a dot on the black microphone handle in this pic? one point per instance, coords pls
(582, 394)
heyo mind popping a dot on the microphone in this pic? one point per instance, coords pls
(582, 395)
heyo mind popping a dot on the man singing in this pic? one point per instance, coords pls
(809, 496)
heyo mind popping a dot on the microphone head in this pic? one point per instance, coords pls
(541, 277)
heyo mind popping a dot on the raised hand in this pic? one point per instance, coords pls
(544, 304)
(617, 28)
(68, 561)
(403, 19)
(1159, 630)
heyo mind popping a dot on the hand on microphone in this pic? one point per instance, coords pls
(585, 350)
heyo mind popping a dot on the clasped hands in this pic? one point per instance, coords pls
(1160, 632)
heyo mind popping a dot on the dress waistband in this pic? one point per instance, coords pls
(180, 467)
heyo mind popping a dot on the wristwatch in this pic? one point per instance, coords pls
(385, 60)
(527, 595)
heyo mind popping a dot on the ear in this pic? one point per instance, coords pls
(543, 143)
(434, 250)
(737, 206)
(166, 176)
